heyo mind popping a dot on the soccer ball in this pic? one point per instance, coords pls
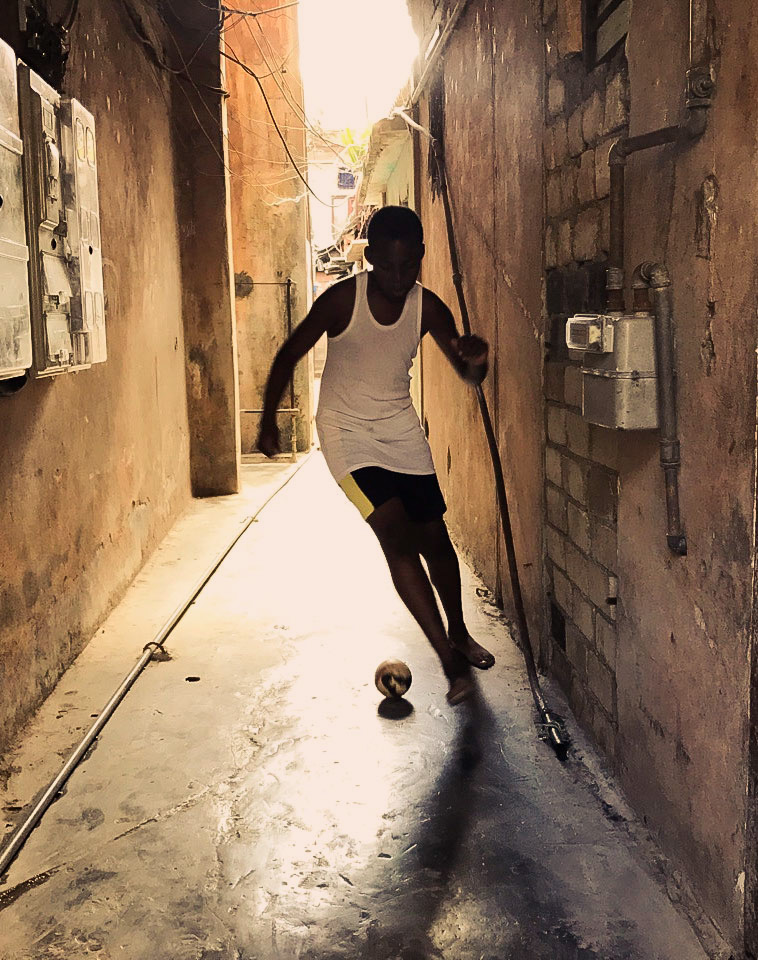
(393, 678)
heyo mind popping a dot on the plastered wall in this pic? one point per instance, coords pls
(94, 466)
(269, 205)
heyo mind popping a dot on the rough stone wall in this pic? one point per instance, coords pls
(651, 674)
(585, 111)
(269, 212)
(683, 651)
(94, 465)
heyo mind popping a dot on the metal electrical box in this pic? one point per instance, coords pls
(619, 386)
(65, 265)
(83, 222)
(15, 321)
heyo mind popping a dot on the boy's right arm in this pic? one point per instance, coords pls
(326, 311)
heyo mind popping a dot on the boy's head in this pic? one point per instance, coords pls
(395, 249)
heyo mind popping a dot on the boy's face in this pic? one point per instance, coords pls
(396, 265)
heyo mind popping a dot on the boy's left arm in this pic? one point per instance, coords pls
(468, 354)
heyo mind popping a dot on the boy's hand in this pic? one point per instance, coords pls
(472, 350)
(268, 440)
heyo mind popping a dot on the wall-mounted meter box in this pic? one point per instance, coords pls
(83, 222)
(619, 387)
(65, 265)
(15, 321)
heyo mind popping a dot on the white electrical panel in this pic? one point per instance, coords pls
(83, 221)
(15, 321)
(65, 264)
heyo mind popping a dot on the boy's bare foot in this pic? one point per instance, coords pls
(460, 678)
(474, 652)
(461, 688)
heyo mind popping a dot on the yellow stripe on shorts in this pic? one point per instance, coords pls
(356, 496)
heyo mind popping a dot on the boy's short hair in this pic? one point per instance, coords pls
(394, 223)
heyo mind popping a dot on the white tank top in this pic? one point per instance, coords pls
(365, 414)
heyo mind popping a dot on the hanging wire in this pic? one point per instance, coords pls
(292, 99)
(215, 122)
(158, 60)
(154, 68)
(154, 54)
(250, 72)
(259, 13)
(67, 22)
(281, 136)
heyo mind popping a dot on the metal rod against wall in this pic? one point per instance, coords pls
(11, 850)
(293, 431)
(552, 728)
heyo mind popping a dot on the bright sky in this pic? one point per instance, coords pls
(356, 55)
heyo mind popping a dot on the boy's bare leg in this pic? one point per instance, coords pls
(444, 571)
(395, 533)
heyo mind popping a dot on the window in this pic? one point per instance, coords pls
(345, 180)
(606, 24)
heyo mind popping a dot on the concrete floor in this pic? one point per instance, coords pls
(272, 809)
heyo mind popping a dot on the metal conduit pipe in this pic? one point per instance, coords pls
(700, 86)
(656, 276)
(692, 126)
(19, 837)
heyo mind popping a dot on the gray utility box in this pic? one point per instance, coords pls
(15, 320)
(619, 387)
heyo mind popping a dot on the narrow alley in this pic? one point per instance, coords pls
(273, 809)
(302, 302)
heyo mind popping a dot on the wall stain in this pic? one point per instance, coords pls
(708, 350)
(9, 896)
(30, 587)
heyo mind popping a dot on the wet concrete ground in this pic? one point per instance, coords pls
(272, 808)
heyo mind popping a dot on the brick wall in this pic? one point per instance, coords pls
(585, 112)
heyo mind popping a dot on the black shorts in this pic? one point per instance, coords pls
(369, 487)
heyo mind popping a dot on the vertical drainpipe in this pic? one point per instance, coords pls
(656, 277)
(700, 86)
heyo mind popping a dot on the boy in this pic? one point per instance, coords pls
(370, 434)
